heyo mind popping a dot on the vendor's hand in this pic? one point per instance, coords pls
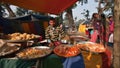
(57, 43)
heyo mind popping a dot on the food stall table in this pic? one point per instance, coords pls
(54, 61)
(51, 61)
(92, 61)
(16, 63)
(74, 62)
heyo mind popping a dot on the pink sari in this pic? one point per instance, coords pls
(94, 36)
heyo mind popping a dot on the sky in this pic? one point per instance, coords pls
(91, 6)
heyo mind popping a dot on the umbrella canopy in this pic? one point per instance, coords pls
(45, 6)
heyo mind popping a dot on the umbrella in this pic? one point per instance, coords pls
(45, 6)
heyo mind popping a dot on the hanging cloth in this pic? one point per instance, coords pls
(26, 27)
(32, 27)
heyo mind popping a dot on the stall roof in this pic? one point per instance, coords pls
(45, 6)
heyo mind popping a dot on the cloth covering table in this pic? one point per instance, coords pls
(54, 61)
(94, 61)
(74, 62)
(16, 63)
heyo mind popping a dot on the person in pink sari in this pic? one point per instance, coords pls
(97, 28)
(111, 30)
(111, 24)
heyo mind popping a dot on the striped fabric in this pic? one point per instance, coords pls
(32, 27)
(25, 27)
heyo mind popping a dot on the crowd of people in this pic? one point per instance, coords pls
(101, 31)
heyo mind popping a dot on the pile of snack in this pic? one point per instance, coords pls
(92, 47)
(69, 51)
(20, 36)
(32, 53)
(66, 50)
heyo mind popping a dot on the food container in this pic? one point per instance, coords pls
(64, 41)
(34, 52)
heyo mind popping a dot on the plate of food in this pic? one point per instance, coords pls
(66, 50)
(21, 37)
(78, 37)
(92, 47)
(34, 52)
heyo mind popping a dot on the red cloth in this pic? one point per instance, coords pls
(106, 59)
(87, 32)
(111, 27)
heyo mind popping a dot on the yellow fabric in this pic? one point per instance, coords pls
(89, 56)
(82, 28)
(95, 61)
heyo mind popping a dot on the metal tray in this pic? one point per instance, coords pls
(34, 53)
(8, 49)
(17, 41)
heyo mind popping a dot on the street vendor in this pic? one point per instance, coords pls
(54, 33)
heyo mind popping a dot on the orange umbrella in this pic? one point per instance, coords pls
(45, 6)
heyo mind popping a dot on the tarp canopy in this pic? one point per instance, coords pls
(31, 23)
(45, 6)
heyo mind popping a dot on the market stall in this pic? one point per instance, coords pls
(54, 61)
(78, 55)
(73, 54)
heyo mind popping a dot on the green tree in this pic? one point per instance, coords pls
(86, 14)
(107, 5)
(69, 12)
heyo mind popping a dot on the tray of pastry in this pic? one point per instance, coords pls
(34, 52)
(21, 37)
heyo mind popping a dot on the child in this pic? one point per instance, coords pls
(110, 41)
